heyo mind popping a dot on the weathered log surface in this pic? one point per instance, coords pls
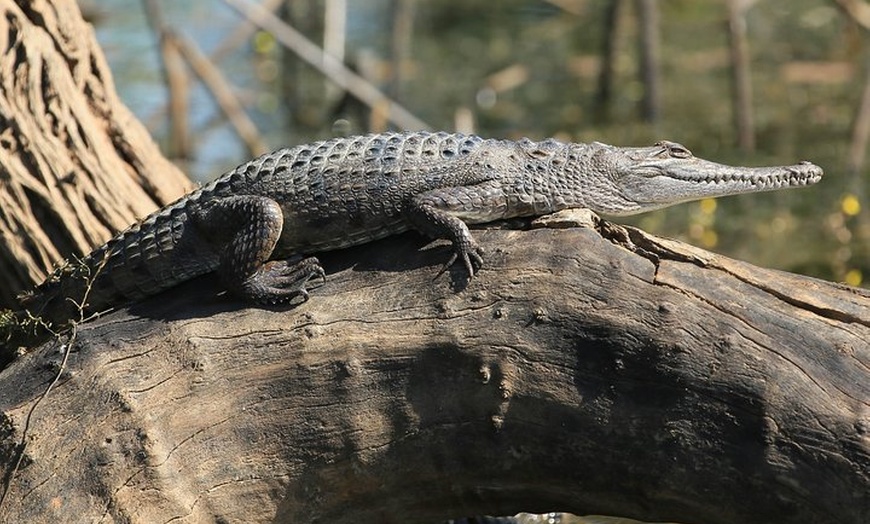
(571, 374)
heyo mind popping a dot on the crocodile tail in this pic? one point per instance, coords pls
(40, 316)
(57, 299)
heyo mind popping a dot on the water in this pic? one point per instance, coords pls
(131, 50)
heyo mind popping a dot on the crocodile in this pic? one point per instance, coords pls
(549, 518)
(258, 224)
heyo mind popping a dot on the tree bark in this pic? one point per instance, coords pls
(591, 370)
(77, 166)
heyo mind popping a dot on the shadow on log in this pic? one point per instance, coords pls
(591, 370)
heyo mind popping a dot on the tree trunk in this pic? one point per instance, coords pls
(609, 53)
(744, 119)
(590, 370)
(650, 57)
(77, 165)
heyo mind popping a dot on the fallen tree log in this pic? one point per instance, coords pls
(594, 370)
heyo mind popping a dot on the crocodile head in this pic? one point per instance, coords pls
(667, 173)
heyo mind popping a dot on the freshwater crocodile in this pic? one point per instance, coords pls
(257, 224)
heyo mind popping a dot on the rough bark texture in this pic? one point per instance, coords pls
(76, 166)
(659, 382)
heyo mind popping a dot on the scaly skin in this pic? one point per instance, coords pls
(348, 191)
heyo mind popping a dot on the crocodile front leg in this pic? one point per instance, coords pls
(441, 213)
(244, 231)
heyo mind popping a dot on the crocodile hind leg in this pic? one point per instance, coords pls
(245, 230)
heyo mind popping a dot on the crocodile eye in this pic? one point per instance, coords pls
(680, 152)
(671, 150)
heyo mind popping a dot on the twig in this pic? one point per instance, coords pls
(241, 34)
(334, 39)
(176, 79)
(402, 33)
(67, 349)
(326, 64)
(221, 91)
(335, 28)
(859, 11)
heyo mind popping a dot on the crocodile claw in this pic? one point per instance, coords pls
(280, 281)
(471, 256)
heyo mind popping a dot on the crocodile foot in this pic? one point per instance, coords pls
(280, 281)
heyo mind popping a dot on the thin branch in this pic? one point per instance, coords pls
(179, 146)
(222, 93)
(859, 11)
(66, 348)
(328, 65)
(335, 28)
(241, 34)
(402, 33)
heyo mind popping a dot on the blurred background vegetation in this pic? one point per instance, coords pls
(748, 82)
